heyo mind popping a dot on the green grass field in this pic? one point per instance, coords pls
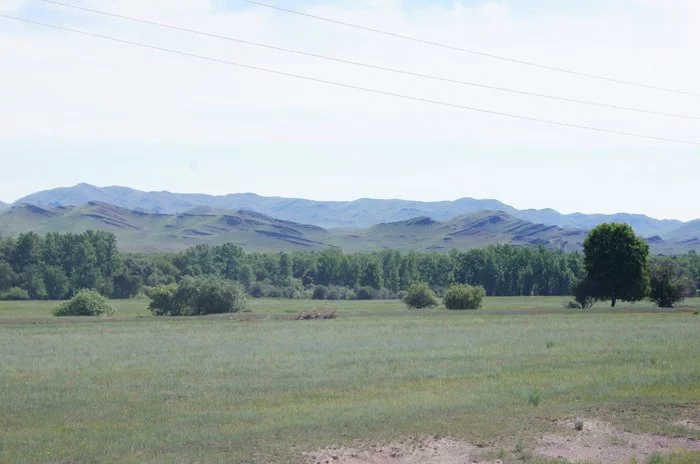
(261, 387)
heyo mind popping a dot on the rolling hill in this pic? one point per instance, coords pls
(687, 234)
(469, 231)
(333, 214)
(147, 232)
(139, 231)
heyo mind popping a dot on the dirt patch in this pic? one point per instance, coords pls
(599, 441)
(688, 424)
(415, 451)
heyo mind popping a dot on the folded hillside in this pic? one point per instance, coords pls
(688, 233)
(148, 232)
(140, 231)
(470, 231)
(334, 214)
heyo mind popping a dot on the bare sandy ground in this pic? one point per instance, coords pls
(596, 442)
(410, 451)
(602, 443)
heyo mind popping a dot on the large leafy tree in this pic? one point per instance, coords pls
(617, 263)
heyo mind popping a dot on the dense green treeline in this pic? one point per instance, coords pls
(56, 266)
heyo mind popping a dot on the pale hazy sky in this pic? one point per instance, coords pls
(75, 109)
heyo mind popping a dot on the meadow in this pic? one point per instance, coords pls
(261, 387)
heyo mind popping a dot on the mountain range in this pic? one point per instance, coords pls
(164, 221)
(138, 231)
(150, 232)
(332, 214)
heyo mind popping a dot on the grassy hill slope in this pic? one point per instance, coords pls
(470, 231)
(334, 214)
(139, 231)
(688, 234)
(150, 232)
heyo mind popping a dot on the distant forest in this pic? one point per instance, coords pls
(56, 266)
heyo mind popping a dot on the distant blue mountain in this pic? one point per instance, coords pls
(335, 214)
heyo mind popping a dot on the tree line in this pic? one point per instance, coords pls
(57, 266)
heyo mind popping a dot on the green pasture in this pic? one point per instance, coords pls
(260, 387)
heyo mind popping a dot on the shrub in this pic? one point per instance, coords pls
(384, 294)
(163, 300)
(583, 295)
(533, 398)
(464, 297)
(320, 292)
(258, 290)
(85, 303)
(420, 296)
(366, 293)
(15, 294)
(668, 284)
(200, 295)
(340, 293)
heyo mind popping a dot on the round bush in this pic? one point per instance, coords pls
(258, 290)
(464, 297)
(15, 294)
(366, 293)
(85, 303)
(420, 296)
(195, 296)
(320, 292)
(163, 300)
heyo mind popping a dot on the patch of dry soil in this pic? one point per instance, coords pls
(688, 424)
(416, 451)
(600, 442)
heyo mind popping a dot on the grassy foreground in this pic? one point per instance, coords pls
(261, 388)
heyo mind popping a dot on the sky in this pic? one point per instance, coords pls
(79, 109)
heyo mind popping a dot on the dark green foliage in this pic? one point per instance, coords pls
(56, 266)
(669, 285)
(336, 292)
(56, 281)
(8, 277)
(289, 288)
(464, 296)
(373, 274)
(15, 294)
(163, 300)
(420, 296)
(259, 290)
(617, 261)
(366, 293)
(85, 303)
(200, 295)
(33, 283)
(583, 294)
(125, 285)
(320, 292)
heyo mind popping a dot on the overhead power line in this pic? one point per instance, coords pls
(351, 86)
(475, 52)
(371, 66)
